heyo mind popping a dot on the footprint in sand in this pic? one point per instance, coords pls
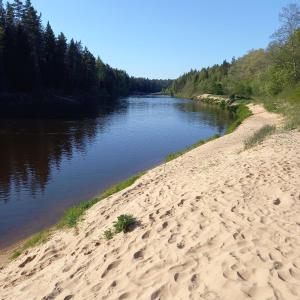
(139, 254)
(110, 267)
(146, 235)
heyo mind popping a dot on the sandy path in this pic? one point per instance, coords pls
(216, 223)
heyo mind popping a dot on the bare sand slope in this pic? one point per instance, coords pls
(216, 223)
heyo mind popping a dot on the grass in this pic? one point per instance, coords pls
(35, 240)
(174, 155)
(123, 224)
(74, 214)
(286, 103)
(259, 136)
(241, 112)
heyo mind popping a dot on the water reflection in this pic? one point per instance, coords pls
(209, 114)
(32, 148)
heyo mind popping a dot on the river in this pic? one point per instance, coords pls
(48, 165)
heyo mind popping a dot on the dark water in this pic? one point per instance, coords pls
(48, 165)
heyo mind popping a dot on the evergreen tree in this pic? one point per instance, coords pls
(33, 60)
(18, 9)
(49, 51)
(24, 76)
(60, 62)
(33, 28)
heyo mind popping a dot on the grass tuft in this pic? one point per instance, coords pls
(259, 136)
(108, 234)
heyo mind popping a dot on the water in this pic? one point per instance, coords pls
(48, 165)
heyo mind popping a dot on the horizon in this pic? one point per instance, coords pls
(112, 24)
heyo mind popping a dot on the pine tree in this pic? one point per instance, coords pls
(1, 57)
(25, 73)
(9, 51)
(49, 50)
(33, 28)
(90, 74)
(60, 62)
(2, 15)
(18, 9)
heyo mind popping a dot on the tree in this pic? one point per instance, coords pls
(285, 36)
(24, 77)
(60, 61)
(18, 9)
(90, 72)
(49, 51)
(2, 15)
(31, 22)
(1, 57)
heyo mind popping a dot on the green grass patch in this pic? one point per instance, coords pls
(241, 112)
(35, 240)
(75, 213)
(123, 224)
(121, 186)
(174, 155)
(259, 136)
(286, 103)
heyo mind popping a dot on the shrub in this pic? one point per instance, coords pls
(124, 223)
(108, 234)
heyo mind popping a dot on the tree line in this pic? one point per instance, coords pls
(262, 72)
(34, 59)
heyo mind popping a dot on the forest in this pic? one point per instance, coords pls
(42, 71)
(271, 75)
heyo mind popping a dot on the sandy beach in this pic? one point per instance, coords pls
(219, 222)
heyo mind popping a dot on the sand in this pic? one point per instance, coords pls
(217, 223)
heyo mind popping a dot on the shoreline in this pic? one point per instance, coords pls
(210, 220)
(7, 253)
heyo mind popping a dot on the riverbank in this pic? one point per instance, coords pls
(219, 221)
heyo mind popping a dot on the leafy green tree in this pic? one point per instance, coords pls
(285, 39)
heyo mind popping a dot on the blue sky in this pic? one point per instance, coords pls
(164, 38)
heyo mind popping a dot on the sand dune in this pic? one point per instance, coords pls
(216, 223)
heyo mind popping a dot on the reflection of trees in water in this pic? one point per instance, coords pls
(30, 149)
(210, 114)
